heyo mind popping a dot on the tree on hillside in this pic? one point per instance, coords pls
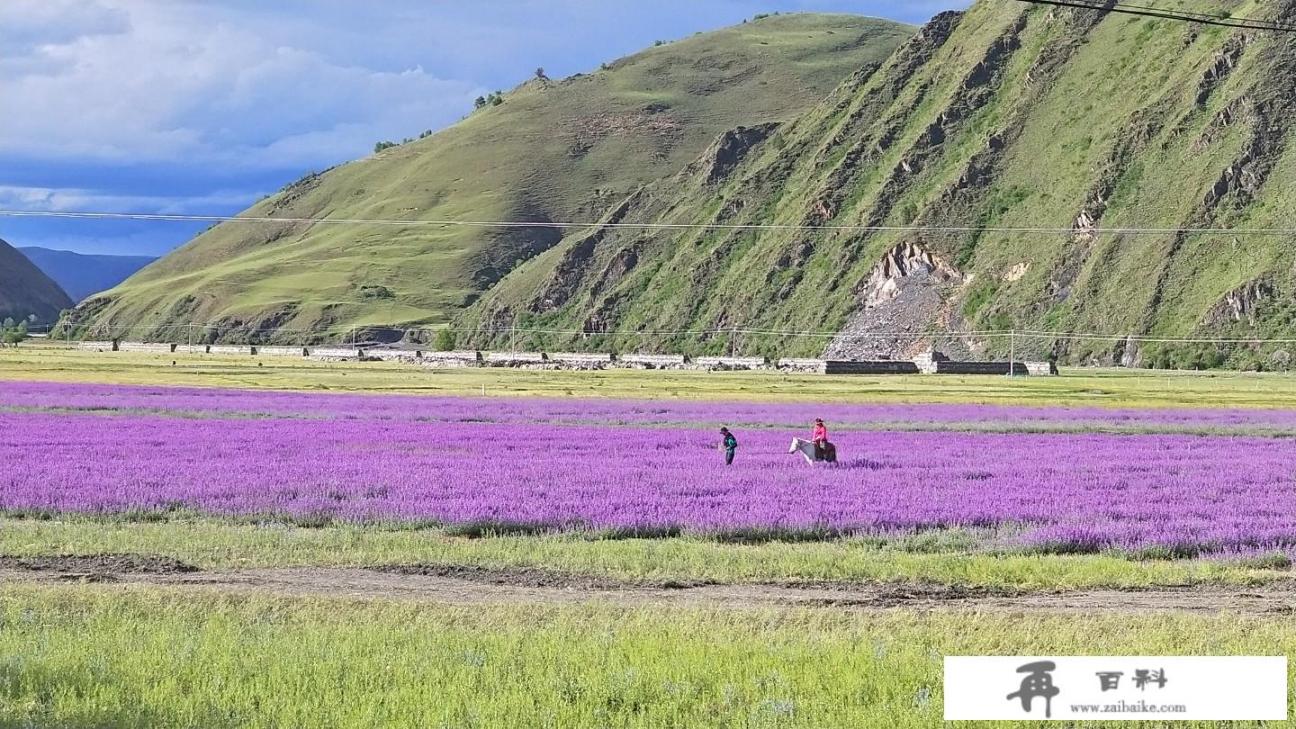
(445, 341)
(479, 102)
(540, 74)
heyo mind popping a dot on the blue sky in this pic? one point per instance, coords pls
(203, 106)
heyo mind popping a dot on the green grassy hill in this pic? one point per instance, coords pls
(25, 290)
(551, 151)
(1006, 116)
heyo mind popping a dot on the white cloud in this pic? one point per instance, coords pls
(13, 197)
(145, 81)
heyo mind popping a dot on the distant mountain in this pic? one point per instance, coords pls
(549, 150)
(82, 274)
(26, 290)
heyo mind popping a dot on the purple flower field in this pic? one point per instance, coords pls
(385, 459)
(214, 402)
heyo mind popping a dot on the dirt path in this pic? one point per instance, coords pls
(475, 586)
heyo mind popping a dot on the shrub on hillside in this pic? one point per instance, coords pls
(444, 341)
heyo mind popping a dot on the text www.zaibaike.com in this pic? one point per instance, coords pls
(1124, 707)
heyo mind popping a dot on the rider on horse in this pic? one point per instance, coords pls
(820, 439)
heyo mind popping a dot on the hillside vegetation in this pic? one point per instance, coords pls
(550, 150)
(26, 291)
(1006, 116)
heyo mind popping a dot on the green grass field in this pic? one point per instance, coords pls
(96, 656)
(1090, 387)
(949, 559)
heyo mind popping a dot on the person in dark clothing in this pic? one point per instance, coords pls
(730, 444)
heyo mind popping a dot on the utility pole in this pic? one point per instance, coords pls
(513, 336)
(1012, 352)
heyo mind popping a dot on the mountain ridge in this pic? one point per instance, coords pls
(551, 150)
(25, 290)
(1002, 116)
(83, 274)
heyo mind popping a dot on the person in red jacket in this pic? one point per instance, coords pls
(820, 438)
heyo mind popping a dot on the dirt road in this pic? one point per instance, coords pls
(473, 585)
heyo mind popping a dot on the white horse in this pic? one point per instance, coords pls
(807, 450)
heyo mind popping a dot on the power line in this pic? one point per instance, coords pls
(1153, 12)
(448, 223)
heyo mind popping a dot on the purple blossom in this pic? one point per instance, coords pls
(432, 461)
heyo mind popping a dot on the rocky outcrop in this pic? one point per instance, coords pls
(728, 150)
(1242, 303)
(908, 264)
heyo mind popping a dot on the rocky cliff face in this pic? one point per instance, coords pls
(1008, 116)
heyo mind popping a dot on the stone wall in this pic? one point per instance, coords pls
(871, 367)
(516, 359)
(98, 346)
(283, 351)
(950, 367)
(581, 360)
(152, 347)
(232, 349)
(1041, 369)
(652, 361)
(926, 363)
(806, 366)
(452, 359)
(408, 356)
(726, 364)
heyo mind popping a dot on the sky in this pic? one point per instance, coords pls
(205, 106)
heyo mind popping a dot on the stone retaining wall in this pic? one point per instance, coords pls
(336, 354)
(283, 351)
(726, 364)
(232, 349)
(581, 360)
(652, 361)
(152, 347)
(980, 368)
(1041, 369)
(927, 363)
(516, 359)
(408, 356)
(871, 367)
(807, 366)
(452, 359)
(98, 346)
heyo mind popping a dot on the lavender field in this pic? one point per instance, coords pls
(650, 469)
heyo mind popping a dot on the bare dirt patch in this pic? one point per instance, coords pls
(469, 585)
(96, 567)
